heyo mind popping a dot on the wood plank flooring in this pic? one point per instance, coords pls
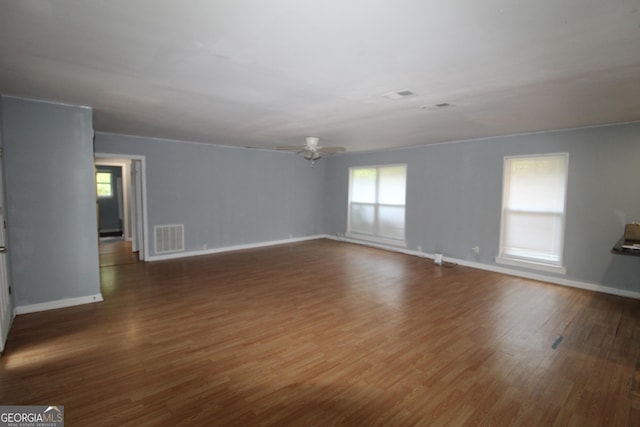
(326, 333)
(116, 252)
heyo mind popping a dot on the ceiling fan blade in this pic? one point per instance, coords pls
(290, 148)
(332, 150)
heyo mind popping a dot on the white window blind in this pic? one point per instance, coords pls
(533, 208)
(377, 202)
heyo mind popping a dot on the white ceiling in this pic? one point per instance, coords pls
(267, 73)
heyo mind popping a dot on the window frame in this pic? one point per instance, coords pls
(528, 262)
(375, 238)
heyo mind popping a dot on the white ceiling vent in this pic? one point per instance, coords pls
(399, 94)
(169, 238)
(437, 106)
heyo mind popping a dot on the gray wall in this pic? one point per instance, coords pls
(51, 215)
(225, 196)
(232, 196)
(454, 193)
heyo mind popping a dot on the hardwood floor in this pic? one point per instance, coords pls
(326, 333)
(116, 252)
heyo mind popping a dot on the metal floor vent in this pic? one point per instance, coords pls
(169, 238)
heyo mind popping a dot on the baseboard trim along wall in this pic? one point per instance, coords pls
(554, 280)
(186, 254)
(61, 303)
(497, 269)
(69, 302)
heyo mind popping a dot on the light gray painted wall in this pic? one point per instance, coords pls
(48, 157)
(454, 194)
(225, 196)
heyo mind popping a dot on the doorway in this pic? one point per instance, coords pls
(113, 215)
(126, 219)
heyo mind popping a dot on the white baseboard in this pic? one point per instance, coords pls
(178, 255)
(389, 248)
(549, 279)
(509, 271)
(61, 303)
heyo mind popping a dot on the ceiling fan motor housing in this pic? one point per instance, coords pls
(312, 142)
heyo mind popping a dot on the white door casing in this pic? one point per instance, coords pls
(138, 205)
(6, 303)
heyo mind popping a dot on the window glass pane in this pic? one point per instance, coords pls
(103, 177)
(103, 184)
(533, 208)
(363, 185)
(391, 222)
(377, 201)
(537, 184)
(362, 218)
(533, 236)
(392, 185)
(104, 190)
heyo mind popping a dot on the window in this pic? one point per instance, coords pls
(377, 203)
(533, 211)
(104, 188)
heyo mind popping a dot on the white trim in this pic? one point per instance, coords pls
(487, 138)
(143, 172)
(376, 205)
(377, 240)
(400, 249)
(548, 279)
(48, 101)
(3, 340)
(144, 138)
(232, 248)
(532, 265)
(505, 259)
(61, 303)
(511, 272)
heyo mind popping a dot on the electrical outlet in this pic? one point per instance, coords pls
(476, 249)
(419, 248)
(290, 236)
(437, 259)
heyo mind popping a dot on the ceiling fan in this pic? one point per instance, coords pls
(312, 150)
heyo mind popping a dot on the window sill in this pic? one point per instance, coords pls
(531, 265)
(379, 240)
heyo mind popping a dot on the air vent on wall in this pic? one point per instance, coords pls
(169, 238)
